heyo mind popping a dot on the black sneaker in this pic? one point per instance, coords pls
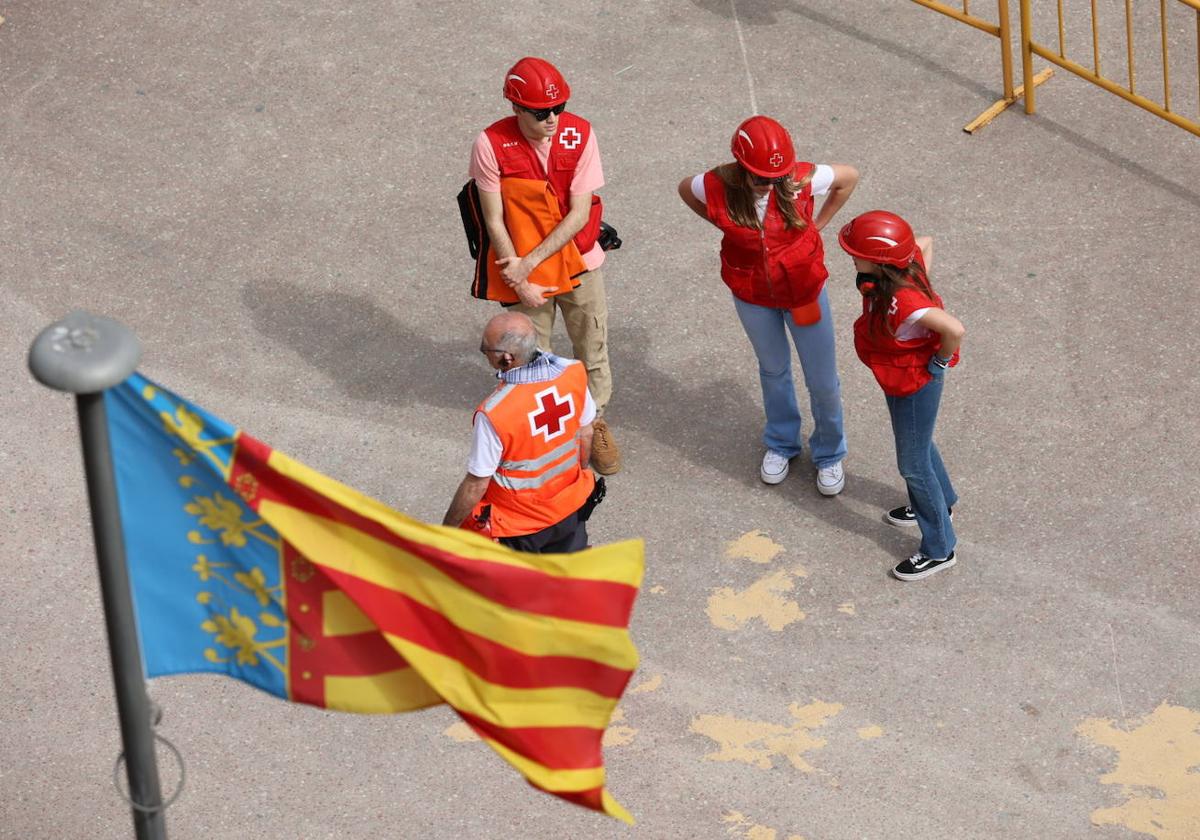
(903, 517)
(920, 565)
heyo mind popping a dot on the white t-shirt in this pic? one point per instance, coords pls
(822, 180)
(486, 449)
(910, 330)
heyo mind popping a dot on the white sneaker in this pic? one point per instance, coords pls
(774, 467)
(830, 479)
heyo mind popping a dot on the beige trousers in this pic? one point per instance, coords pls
(585, 315)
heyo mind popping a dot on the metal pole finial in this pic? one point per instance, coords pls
(84, 354)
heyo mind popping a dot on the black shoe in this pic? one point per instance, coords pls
(903, 517)
(920, 565)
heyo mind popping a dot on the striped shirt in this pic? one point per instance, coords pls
(542, 367)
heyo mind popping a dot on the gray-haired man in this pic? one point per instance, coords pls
(528, 483)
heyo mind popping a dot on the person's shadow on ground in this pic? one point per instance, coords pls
(366, 351)
(372, 356)
(717, 424)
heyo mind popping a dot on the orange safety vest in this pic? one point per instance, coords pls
(517, 159)
(531, 211)
(539, 481)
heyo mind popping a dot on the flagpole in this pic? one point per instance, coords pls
(86, 354)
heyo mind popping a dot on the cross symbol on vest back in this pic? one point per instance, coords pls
(569, 137)
(776, 159)
(549, 418)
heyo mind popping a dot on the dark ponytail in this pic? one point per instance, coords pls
(880, 289)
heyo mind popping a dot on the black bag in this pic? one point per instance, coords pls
(478, 241)
(472, 216)
(608, 239)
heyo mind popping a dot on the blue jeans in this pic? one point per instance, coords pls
(768, 330)
(930, 493)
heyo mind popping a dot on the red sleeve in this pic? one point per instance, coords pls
(905, 302)
(714, 194)
(805, 197)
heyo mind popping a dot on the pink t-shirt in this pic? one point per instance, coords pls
(589, 176)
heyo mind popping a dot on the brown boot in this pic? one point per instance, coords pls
(606, 457)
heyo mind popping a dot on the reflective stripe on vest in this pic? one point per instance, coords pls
(537, 463)
(539, 482)
(494, 400)
(509, 483)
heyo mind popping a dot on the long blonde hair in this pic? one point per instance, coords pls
(740, 197)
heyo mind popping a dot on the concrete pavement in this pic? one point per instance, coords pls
(265, 194)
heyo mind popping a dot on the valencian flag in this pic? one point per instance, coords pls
(247, 563)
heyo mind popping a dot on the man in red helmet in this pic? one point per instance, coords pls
(512, 162)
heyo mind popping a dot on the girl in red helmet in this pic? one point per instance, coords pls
(909, 342)
(773, 262)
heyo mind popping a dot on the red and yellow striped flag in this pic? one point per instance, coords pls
(322, 595)
(532, 651)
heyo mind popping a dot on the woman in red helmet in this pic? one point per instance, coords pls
(908, 341)
(773, 262)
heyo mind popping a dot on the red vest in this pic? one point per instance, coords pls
(777, 266)
(539, 481)
(899, 366)
(517, 159)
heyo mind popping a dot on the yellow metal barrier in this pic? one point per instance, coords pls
(1001, 30)
(1030, 48)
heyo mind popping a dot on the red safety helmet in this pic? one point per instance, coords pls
(764, 147)
(879, 237)
(535, 83)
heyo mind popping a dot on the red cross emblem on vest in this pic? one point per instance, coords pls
(776, 159)
(569, 137)
(549, 417)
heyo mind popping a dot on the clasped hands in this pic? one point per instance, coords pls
(515, 271)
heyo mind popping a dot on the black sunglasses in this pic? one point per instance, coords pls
(762, 182)
(543, 114)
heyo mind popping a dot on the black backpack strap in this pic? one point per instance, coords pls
(477, 236)
(472, 215)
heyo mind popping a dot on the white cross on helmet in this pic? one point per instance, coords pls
(776, 159)
(552, 91)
